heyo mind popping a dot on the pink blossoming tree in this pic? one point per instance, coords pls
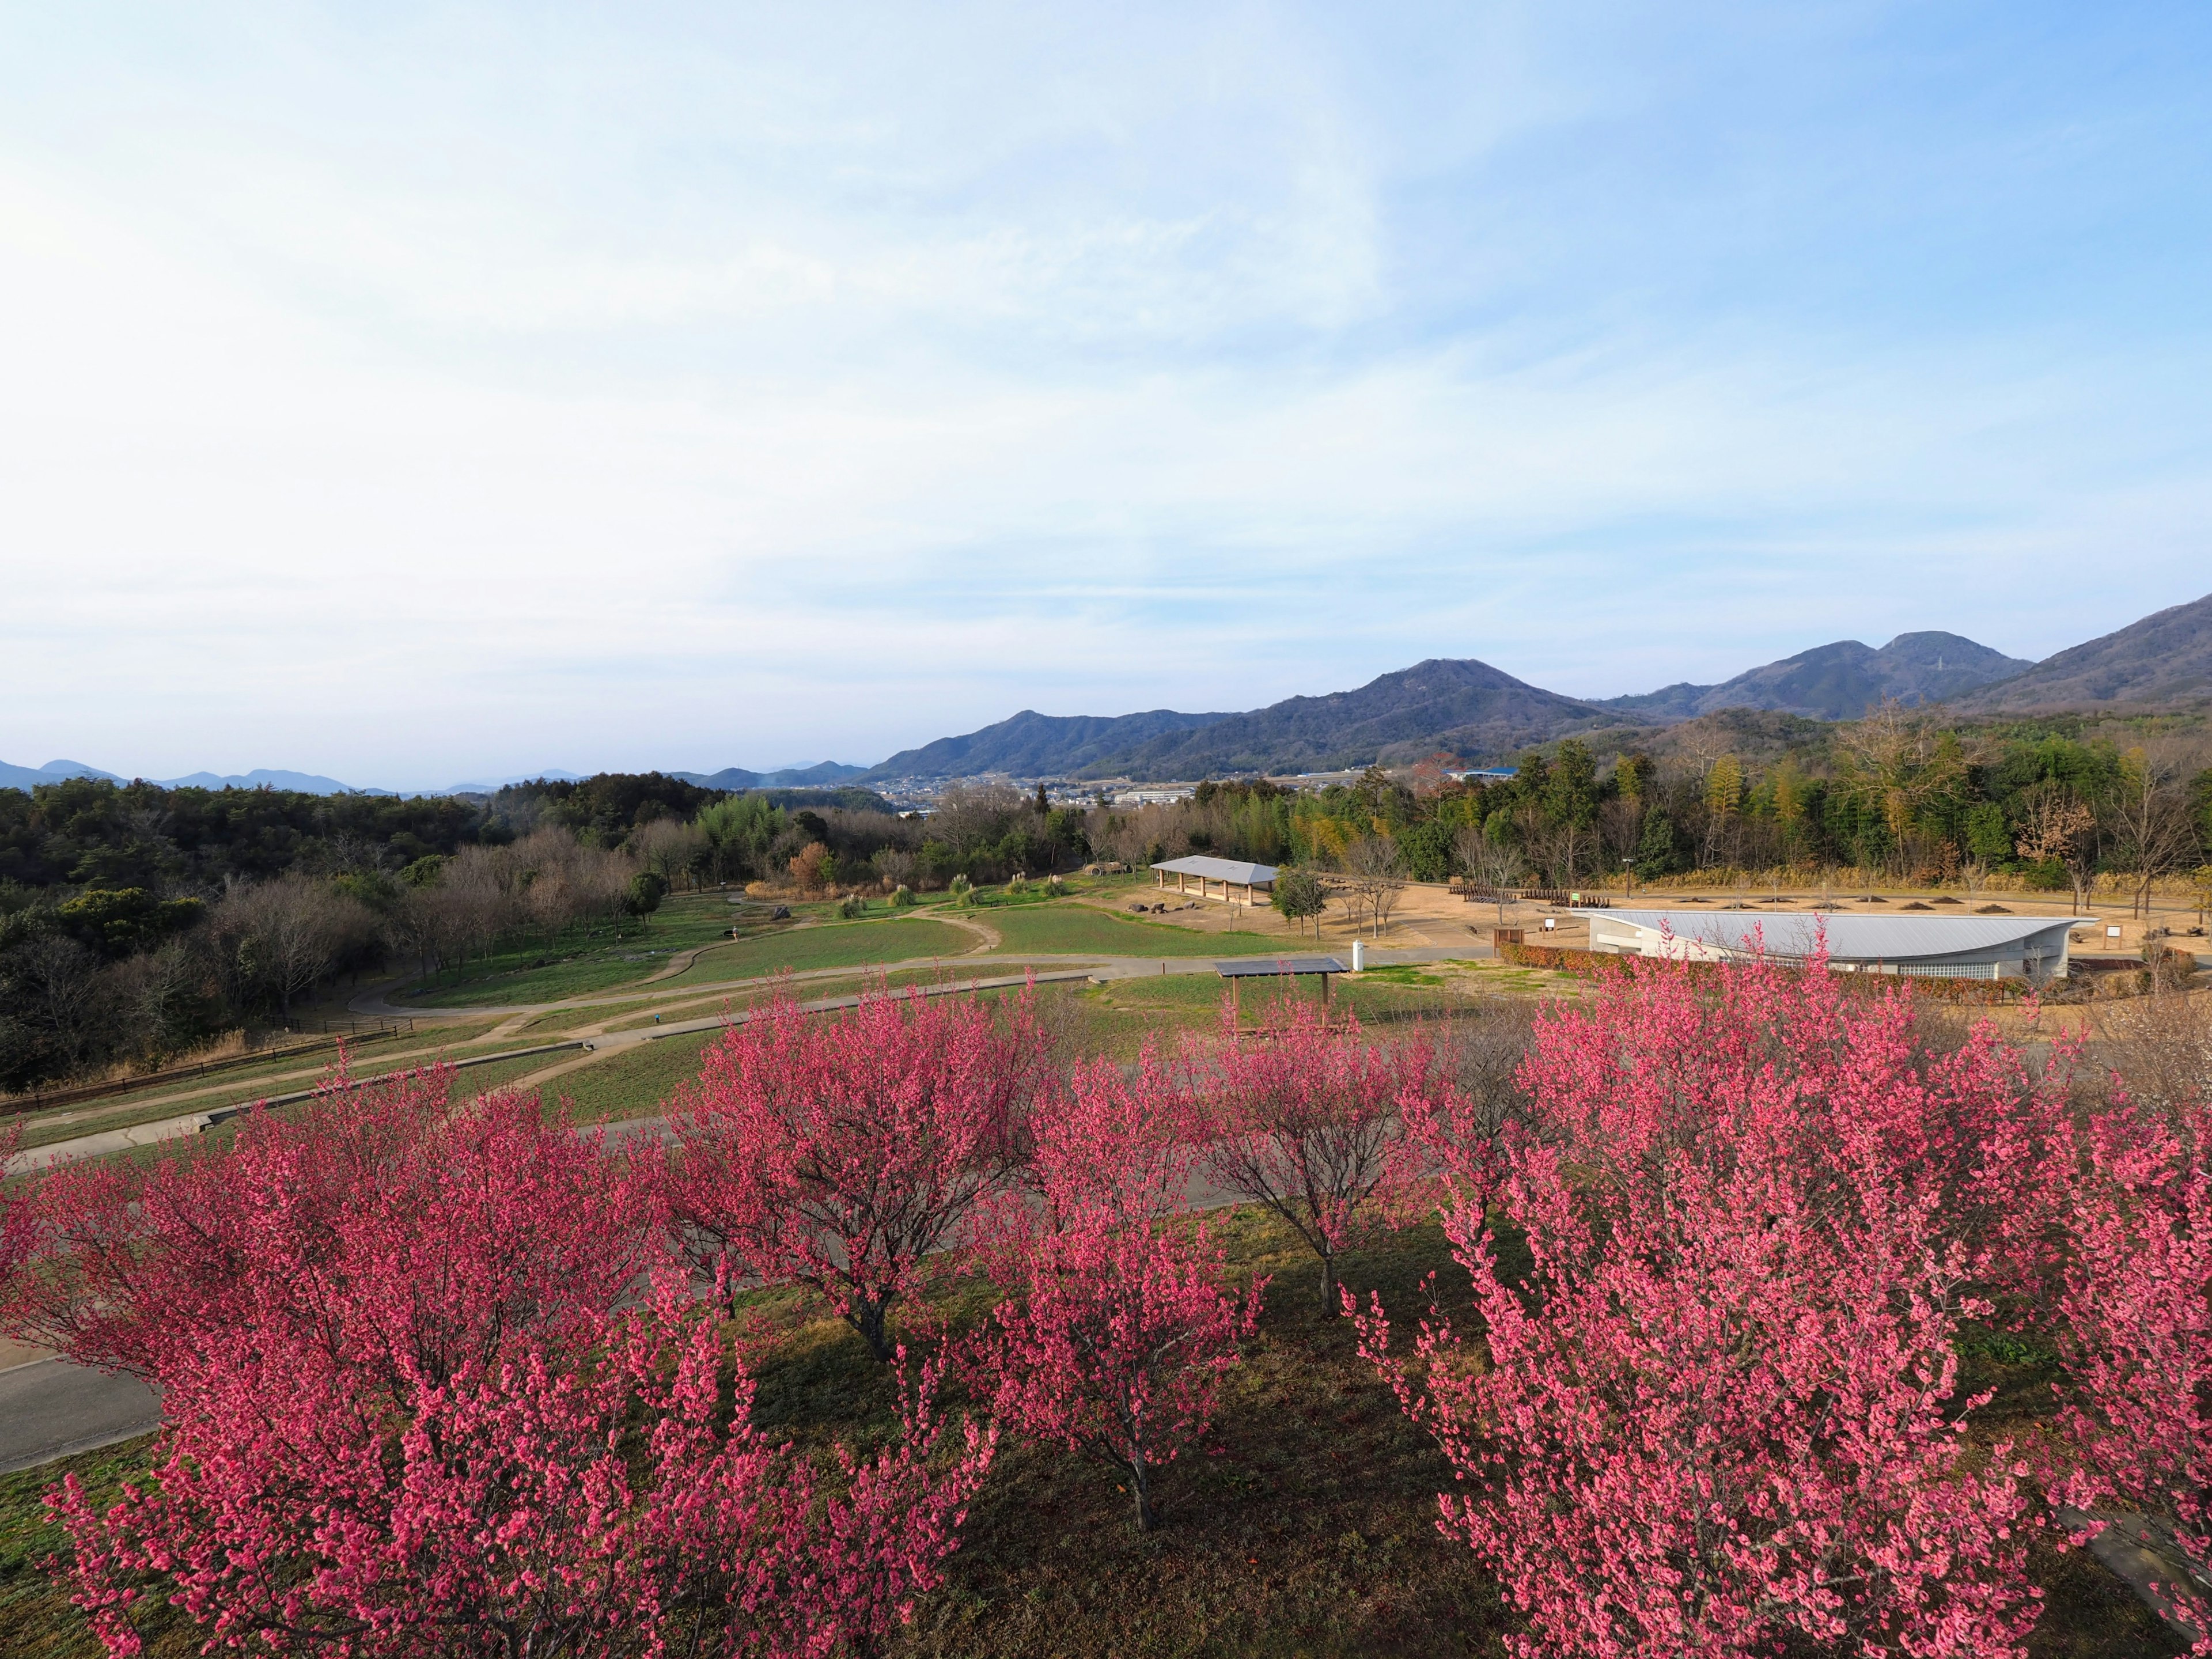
(2135, 1334)
(1116, 1333)
(842, 1152)
(1718, 1411)
(1304, 1119)
(429, 1390)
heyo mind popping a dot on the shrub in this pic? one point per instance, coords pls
(810, 867)
(903, 897)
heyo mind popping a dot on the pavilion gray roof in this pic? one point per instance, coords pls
(1229, 870)
(1850, 937)
(1265, 966)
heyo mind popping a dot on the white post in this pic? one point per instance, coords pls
(1360, 956)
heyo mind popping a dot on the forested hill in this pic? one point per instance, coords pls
(2163, 659)
(97, 833)
(1838, 682)
(91, 832)
(1031, 744)
(1466, 706)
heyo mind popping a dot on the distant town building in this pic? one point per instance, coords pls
(1154, 797)
(1928, 947)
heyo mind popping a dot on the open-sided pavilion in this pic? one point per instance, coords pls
(1258, 880)
(1291, 968)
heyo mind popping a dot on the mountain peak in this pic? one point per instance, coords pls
(2166, 658)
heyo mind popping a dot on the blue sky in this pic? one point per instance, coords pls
(413, 393)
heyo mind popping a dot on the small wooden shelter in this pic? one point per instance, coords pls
(1257, 880)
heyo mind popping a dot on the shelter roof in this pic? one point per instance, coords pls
(1850, 937)
(1230, 870)
(1271, 967)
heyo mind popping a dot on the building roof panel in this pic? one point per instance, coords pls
(1263, 967)
(1214, 869)
(1850, 937)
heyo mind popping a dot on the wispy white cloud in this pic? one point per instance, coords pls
(428, 393)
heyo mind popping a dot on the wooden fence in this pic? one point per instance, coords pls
(356, 1030)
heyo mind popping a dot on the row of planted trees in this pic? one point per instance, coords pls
(460, 1381)
(1897, 796)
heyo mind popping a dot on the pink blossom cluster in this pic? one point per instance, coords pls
(1720, 1269)
(446, 1379)
(431, 1388)
(1116, 1330)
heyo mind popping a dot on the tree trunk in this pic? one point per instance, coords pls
(870, 1318)
(1329, 1297)
(1140, 1492)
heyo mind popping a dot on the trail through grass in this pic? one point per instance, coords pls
(1072, 929)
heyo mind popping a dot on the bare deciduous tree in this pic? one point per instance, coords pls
(669, 849)
(972, 816)
(2159, 1047)
(1370, 867)
(2149, 817)
(61, 996)
(2058, 826)
(1492, 863)
(284, 935)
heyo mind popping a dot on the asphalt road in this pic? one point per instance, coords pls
(50, 1408)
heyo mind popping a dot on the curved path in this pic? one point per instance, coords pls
(50, 1408)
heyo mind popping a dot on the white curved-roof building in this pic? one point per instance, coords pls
(1939, 947)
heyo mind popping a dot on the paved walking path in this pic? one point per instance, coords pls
(50, 1408)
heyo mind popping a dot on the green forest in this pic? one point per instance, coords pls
(138, 922)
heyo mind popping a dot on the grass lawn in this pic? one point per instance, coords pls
(812, 990)
(634, 1082)
(1083, 929)
(488, 1080)
(250, 1084)
(834, 944)
(1118, 1018)
(1306, 1525)
(580, 962)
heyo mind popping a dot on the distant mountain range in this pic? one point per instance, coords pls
(1838, 682)
(307, 783)
(1032, 744)
(818, 776)
(1481, 713)
(2165, 660)
(1467, 708)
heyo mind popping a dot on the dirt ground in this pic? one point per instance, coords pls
(1429, 914)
